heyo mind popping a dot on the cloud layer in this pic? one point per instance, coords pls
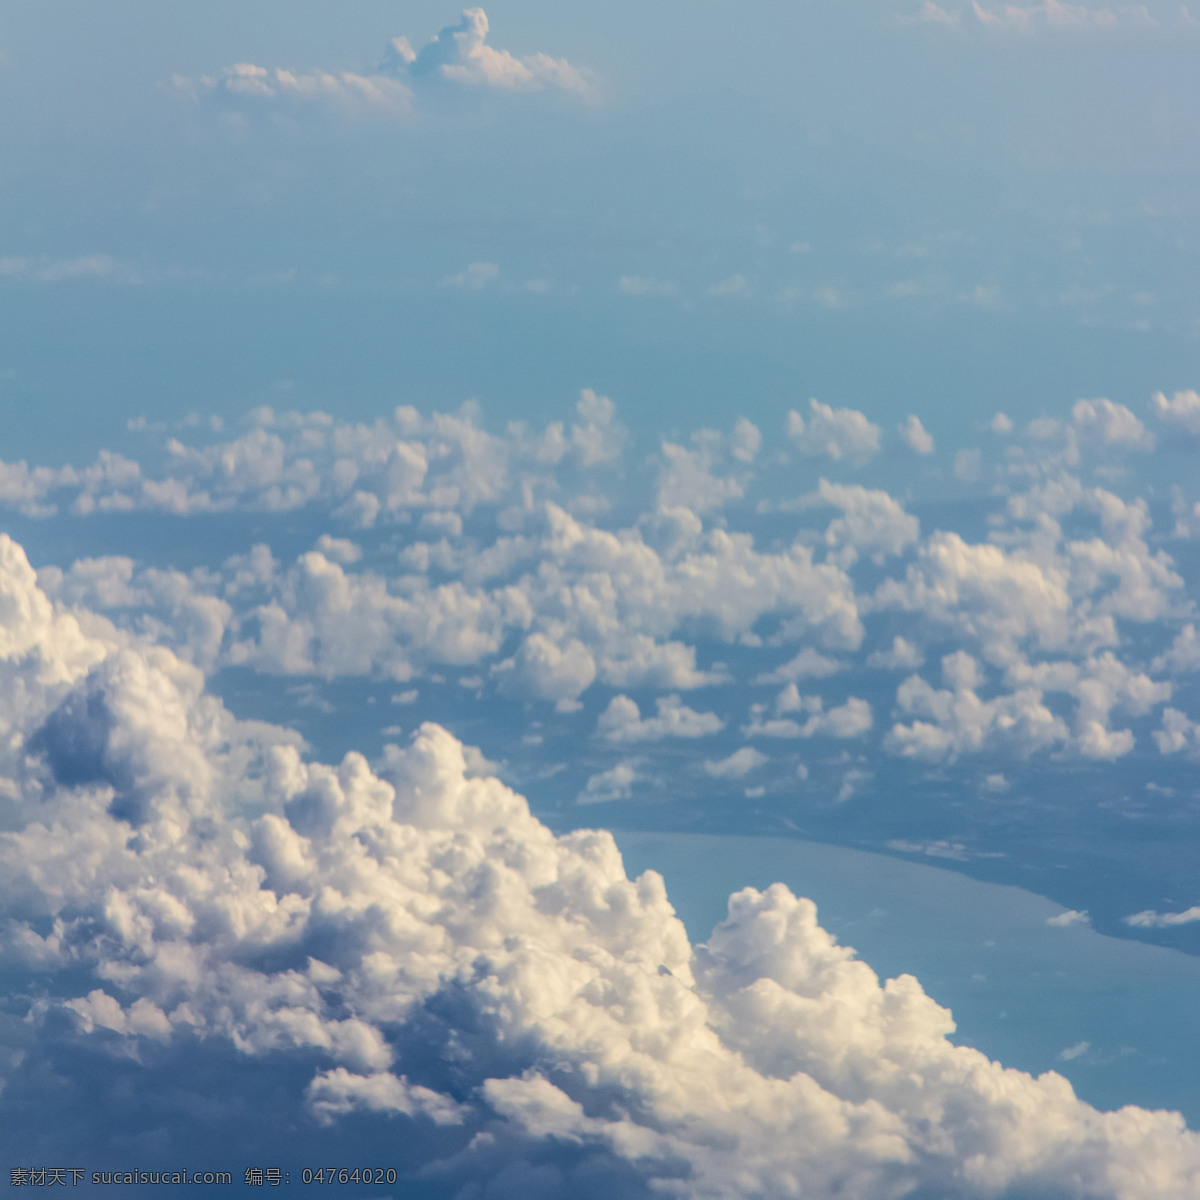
(405, 942)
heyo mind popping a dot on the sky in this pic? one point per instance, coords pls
(442, 451)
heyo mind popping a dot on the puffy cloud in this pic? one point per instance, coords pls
(614, 784)
(1183, 654)
(545, 670)
(349, 92)
(836, 433)
(808, 664)
(871, 523)
(475, 277)
(1103, 423)
(999, 598)
(1060, 16)
(686, 478)
(1068, 917)
(738, 765)
(622, 721)
(1180, 413)
(956, 721)
(460, 54)
(902, 655)
(912, 433)
(848, 720)
(1178, 735)
(409, 940)
(1156, 920)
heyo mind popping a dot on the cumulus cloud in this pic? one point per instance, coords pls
(872, 522)
(349, 92)
(836, 433)
(1178, 735)
(1183, 655)
(902, 655)
(808, 664)
(738, 765)
(1157, 920)
(474, 277)
(848, 720)
(408, 940)
(913, 434)
(686, 477)
(458, 56)
(614, 784)
(622, 721)
(1103, 423)
(955, 720)
(1180, 413)
(1061, 16)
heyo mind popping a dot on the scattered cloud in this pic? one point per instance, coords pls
(841, 433)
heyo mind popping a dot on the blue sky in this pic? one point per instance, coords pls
(428, 437)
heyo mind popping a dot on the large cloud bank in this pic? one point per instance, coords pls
(521, 557)
(402, 949)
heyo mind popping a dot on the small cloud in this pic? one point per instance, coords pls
(1002, 424)
(475, 278)
(903, 656)
(1070, 917)
(1074, 1051)
(738, 764)
(613, 784)
(931, 14)
(915, 436)
(1156, 920)
(640, 285)
(968, 465)
(808, 664)
(735, 285)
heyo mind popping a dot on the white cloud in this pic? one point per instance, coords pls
(808, 664)
(956, 721)
(1068, 917)
(1180, 413)
(901, 656)
(547, 671)
(614, 784)
(68, 270)
(871, 523)
(1072, 1052)
(458, 56)
(915, 436)
(1061, 17)
(622, 721)
(412, 941)
(1157, 920)
(349, 92)
(836, 433)
(931, 14)
(1178, 734)
(737, 766)
(735, 285)
(641, 285)
(848, 720)
(686, 477)
(1183, 654)
(1103, 423)
(475, 277)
